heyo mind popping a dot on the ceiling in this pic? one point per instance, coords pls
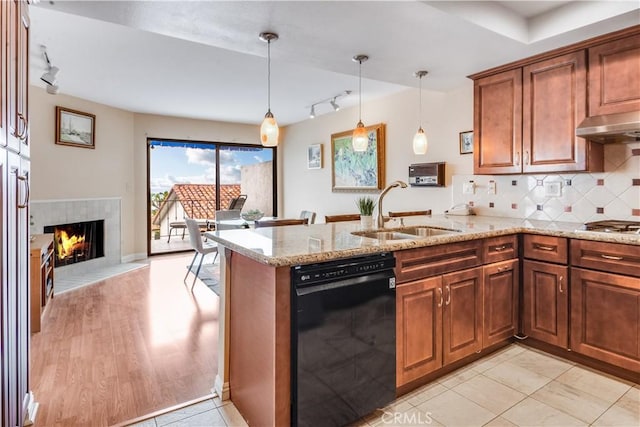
(203, 59)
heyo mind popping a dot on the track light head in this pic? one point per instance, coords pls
(52, 89)
(335, 106)
(312, 113)
(49, 77)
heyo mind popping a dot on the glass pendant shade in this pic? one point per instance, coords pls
(269, 131)
(360, 139)
(420, 144)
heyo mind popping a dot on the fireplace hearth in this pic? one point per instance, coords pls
(77, 242)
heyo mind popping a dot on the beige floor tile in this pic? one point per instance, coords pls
(185, 412)
(631, 400)
(379, 416)
(146, 423)
(619, 416)
(542, 364)
(210, 418)
(413, 417)
(424, 393)
(458, 377)
(452, 409)
(575, 402)
(516, 377)
(532, 413)
(606, 387)
(231, 415)
(489, 393)
(500, 422)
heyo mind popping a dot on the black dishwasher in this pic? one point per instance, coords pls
(343, 339)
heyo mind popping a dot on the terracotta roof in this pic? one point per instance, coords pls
(198, 200)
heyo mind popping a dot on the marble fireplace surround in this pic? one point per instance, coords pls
(55, 212)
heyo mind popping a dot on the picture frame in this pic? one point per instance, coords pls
(314, 156)
(466, 142)
(75, 128)
(353, 171)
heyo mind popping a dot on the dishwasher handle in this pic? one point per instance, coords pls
(351, 281)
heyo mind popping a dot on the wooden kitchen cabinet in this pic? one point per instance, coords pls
(605, 313)
(614, 76)
(462, 314)
(546, 303)
(500, 295)
(418, 329)
(17, 107)
(497, 123)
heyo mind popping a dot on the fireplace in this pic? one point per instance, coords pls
(77, 242)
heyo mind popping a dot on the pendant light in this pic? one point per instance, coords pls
(360, 139)
(420, 139)
(269, 131)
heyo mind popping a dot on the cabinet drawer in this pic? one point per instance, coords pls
(610, 257)
(545, 248)
(500, 248)
(414, 264)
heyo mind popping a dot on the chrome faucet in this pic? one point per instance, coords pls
(380, 221)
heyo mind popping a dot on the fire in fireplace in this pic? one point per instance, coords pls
(77, 242)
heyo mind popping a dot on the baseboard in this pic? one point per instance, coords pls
(134, 257)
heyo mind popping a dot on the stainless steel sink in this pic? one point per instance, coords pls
(407, 233)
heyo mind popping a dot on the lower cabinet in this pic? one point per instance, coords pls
(439, 321)
(546, 303)
(500, 294)
(605, 317)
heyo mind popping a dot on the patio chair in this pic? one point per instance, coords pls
(222, 216)
(237, 203)
(202, 248)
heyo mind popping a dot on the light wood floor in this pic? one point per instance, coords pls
(125, 347)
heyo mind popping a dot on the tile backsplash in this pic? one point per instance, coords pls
(576, 197)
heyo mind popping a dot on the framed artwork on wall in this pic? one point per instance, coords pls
(75, 128)
(314, 156)
(466, 142)
(358, 171)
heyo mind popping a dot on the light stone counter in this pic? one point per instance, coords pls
(302, 244)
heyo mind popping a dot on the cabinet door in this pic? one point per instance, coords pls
(4, 294)
(500, 295)
(22, 99)
(605, 313)
(462, 314)
(4, 10)
(418, 329)
(497, 123)
(545, 311)
(17, 76)
(554, 103)
(614, 77)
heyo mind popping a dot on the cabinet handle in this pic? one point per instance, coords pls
(25, 126)
(560, 285)
(615, 258)
(517, 158)
(501, 269)
(500, 248)
(544, 248)
(448, 296)
(526, 157)
(24, 178)
(440, 303)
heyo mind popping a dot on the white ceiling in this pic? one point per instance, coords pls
(203, 59)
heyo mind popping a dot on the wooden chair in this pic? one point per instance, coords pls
(409, 213)
(311, 216)
(201, 248)
(340, 218)
(279, 222)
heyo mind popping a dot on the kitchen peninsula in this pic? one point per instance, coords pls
(255, 298)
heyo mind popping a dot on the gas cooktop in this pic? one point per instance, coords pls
(613, 226)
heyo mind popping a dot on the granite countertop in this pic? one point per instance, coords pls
(305, 244)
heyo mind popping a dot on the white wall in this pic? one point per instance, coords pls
(444, 116)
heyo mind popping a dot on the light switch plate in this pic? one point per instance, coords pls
(491, 188)
(469, 187)
(553, 189)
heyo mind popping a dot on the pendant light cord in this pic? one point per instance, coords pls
(360, 90)
(420, 108)
(268, 75)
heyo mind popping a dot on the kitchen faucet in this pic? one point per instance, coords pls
(394, 184)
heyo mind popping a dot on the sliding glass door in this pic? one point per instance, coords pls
(194, 179)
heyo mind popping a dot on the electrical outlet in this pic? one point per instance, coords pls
(469, 187)
(553, 189)
(491, 188)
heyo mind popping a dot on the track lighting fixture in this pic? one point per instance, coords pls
(49, 76)
(360, 139)
(331, 101)
(269, 130)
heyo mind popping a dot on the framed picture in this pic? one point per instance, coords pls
(355, 171)
(75, 128)
(314, 156)
(466, 142)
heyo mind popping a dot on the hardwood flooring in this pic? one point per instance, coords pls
(125, 347)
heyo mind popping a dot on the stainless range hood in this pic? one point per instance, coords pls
(621, 127)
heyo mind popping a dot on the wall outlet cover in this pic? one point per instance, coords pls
(469, 187)
(553, 189)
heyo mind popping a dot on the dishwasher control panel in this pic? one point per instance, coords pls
(340, 269)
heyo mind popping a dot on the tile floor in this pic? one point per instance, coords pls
(516, 386)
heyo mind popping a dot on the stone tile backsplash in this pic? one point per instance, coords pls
(612, 194)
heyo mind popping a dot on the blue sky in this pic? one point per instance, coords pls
(180, 165)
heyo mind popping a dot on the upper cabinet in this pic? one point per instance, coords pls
(614, 77)
(526, 113)
(17, 60)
